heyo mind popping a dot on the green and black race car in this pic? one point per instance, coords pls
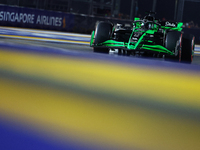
(146, 36)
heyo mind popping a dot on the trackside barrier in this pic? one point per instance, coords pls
(35, 18)
(45, 19)
(49, 20)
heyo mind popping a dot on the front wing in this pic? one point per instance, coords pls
(133, 46)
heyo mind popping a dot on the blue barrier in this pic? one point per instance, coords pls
(34, 18)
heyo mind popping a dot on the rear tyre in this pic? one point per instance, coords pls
(173, 43)
(102, 33)
(188, 48)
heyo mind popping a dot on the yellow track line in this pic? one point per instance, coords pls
(62, 114)
(163, 85)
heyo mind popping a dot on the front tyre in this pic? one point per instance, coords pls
(103, 32)
(173, 43)
(188, 48)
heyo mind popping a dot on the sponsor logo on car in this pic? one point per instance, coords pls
(170, 24)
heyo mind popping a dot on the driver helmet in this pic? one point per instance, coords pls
(148, 22)
(147, 25)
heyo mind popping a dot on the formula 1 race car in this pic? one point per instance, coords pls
(146, 36)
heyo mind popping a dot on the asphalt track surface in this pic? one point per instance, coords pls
(64, 96)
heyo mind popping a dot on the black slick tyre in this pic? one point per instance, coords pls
(188, 48)
(173, 43)
(102, 33)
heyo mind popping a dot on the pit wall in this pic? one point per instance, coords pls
(14, 16)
